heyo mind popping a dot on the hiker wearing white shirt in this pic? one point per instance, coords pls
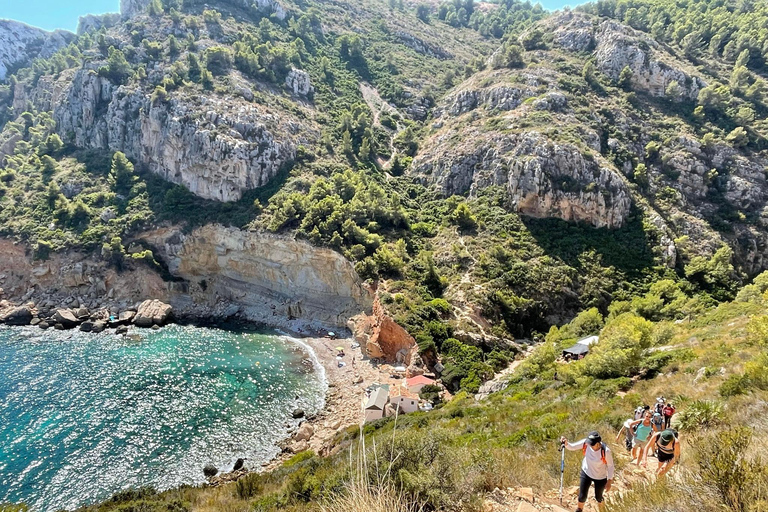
(596, 467)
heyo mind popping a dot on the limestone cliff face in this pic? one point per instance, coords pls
(216, 147)
(382, 337)
(270, 278)
(543, 178)
(20, 44)
(616, 45)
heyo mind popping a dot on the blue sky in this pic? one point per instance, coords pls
(53, 14)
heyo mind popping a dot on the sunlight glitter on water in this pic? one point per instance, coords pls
(84, 415)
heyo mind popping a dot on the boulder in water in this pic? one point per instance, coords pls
(210, 470)
(43, 325)
(239, 463)
(123, 329)
(298, 413)
(66, 318)
(152, 312)
(86, 326)
(98, 326)
(21, 315)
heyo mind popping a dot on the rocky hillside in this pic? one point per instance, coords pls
(489, 169)
(20, 44)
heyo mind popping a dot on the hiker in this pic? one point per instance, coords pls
(659, 407)
(626, 429)
(642, 432)
(669, 411)
(658, 422)
(640, 411)
(596, 467)
(667, 448)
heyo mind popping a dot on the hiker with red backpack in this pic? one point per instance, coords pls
(667, 448)
(596, 467)
(669, 411)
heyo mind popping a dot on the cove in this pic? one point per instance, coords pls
(83, 416)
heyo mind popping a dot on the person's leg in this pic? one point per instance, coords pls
(584, 483)
(663, 471)
(599, 488)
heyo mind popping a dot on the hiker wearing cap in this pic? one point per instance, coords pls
(667, 450)
(596, 467)
(642, 432)
(669, 411)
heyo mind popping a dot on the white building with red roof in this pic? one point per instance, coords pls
(414, 384)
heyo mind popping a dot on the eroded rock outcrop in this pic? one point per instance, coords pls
(20, 44)
(267, 278)
(617, 46)
(382, 337)
(152, 312)
(216, 147)
(543, 178)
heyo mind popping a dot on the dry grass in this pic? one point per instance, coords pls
(365, 498)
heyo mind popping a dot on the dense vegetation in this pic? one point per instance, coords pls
(449, 459)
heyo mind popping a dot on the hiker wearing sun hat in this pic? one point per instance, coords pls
(596, 467)
(667, 450)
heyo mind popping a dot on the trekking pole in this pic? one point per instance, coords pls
(562, 469)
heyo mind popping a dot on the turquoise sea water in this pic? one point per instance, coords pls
(85, 415)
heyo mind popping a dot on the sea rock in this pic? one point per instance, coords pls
(66, 318)
(121, 329)
(297, 413)
(126, 317)
(152, 312)
(98, 326)
(239, 463)
(21, 315)
(86, 326)
(305, 432)
(210, 470)
(299, 446)
(43, 325)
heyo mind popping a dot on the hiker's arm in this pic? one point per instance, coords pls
(619, 434)
(677, 451)
(572, 446)
(609, 467)
(636, 422)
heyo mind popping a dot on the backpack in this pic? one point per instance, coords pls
(602, 451)
(659, 407)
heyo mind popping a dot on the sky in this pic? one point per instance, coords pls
(53, 14)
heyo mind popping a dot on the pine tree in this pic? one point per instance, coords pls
(121, 175)
(364, 154)
(625, 78)
(346, 143)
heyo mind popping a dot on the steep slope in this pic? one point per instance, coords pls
(20, 44)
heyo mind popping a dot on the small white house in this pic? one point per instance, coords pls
(404, 399)
(414, 384)
(377, 400)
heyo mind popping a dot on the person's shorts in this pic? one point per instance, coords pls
(636, 442)
(664, 457)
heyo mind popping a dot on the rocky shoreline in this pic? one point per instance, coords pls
(346, 383)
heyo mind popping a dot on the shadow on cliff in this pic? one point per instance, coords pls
(627, 249)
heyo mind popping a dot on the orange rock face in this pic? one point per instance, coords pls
(382, 337)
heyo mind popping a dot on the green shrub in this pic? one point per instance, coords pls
(699, 414)
(735, 385)
(726, 466)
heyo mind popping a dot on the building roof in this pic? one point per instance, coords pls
(378, 398)
(577, 349)
(418, 379)
(588, 341)
(399, 391)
